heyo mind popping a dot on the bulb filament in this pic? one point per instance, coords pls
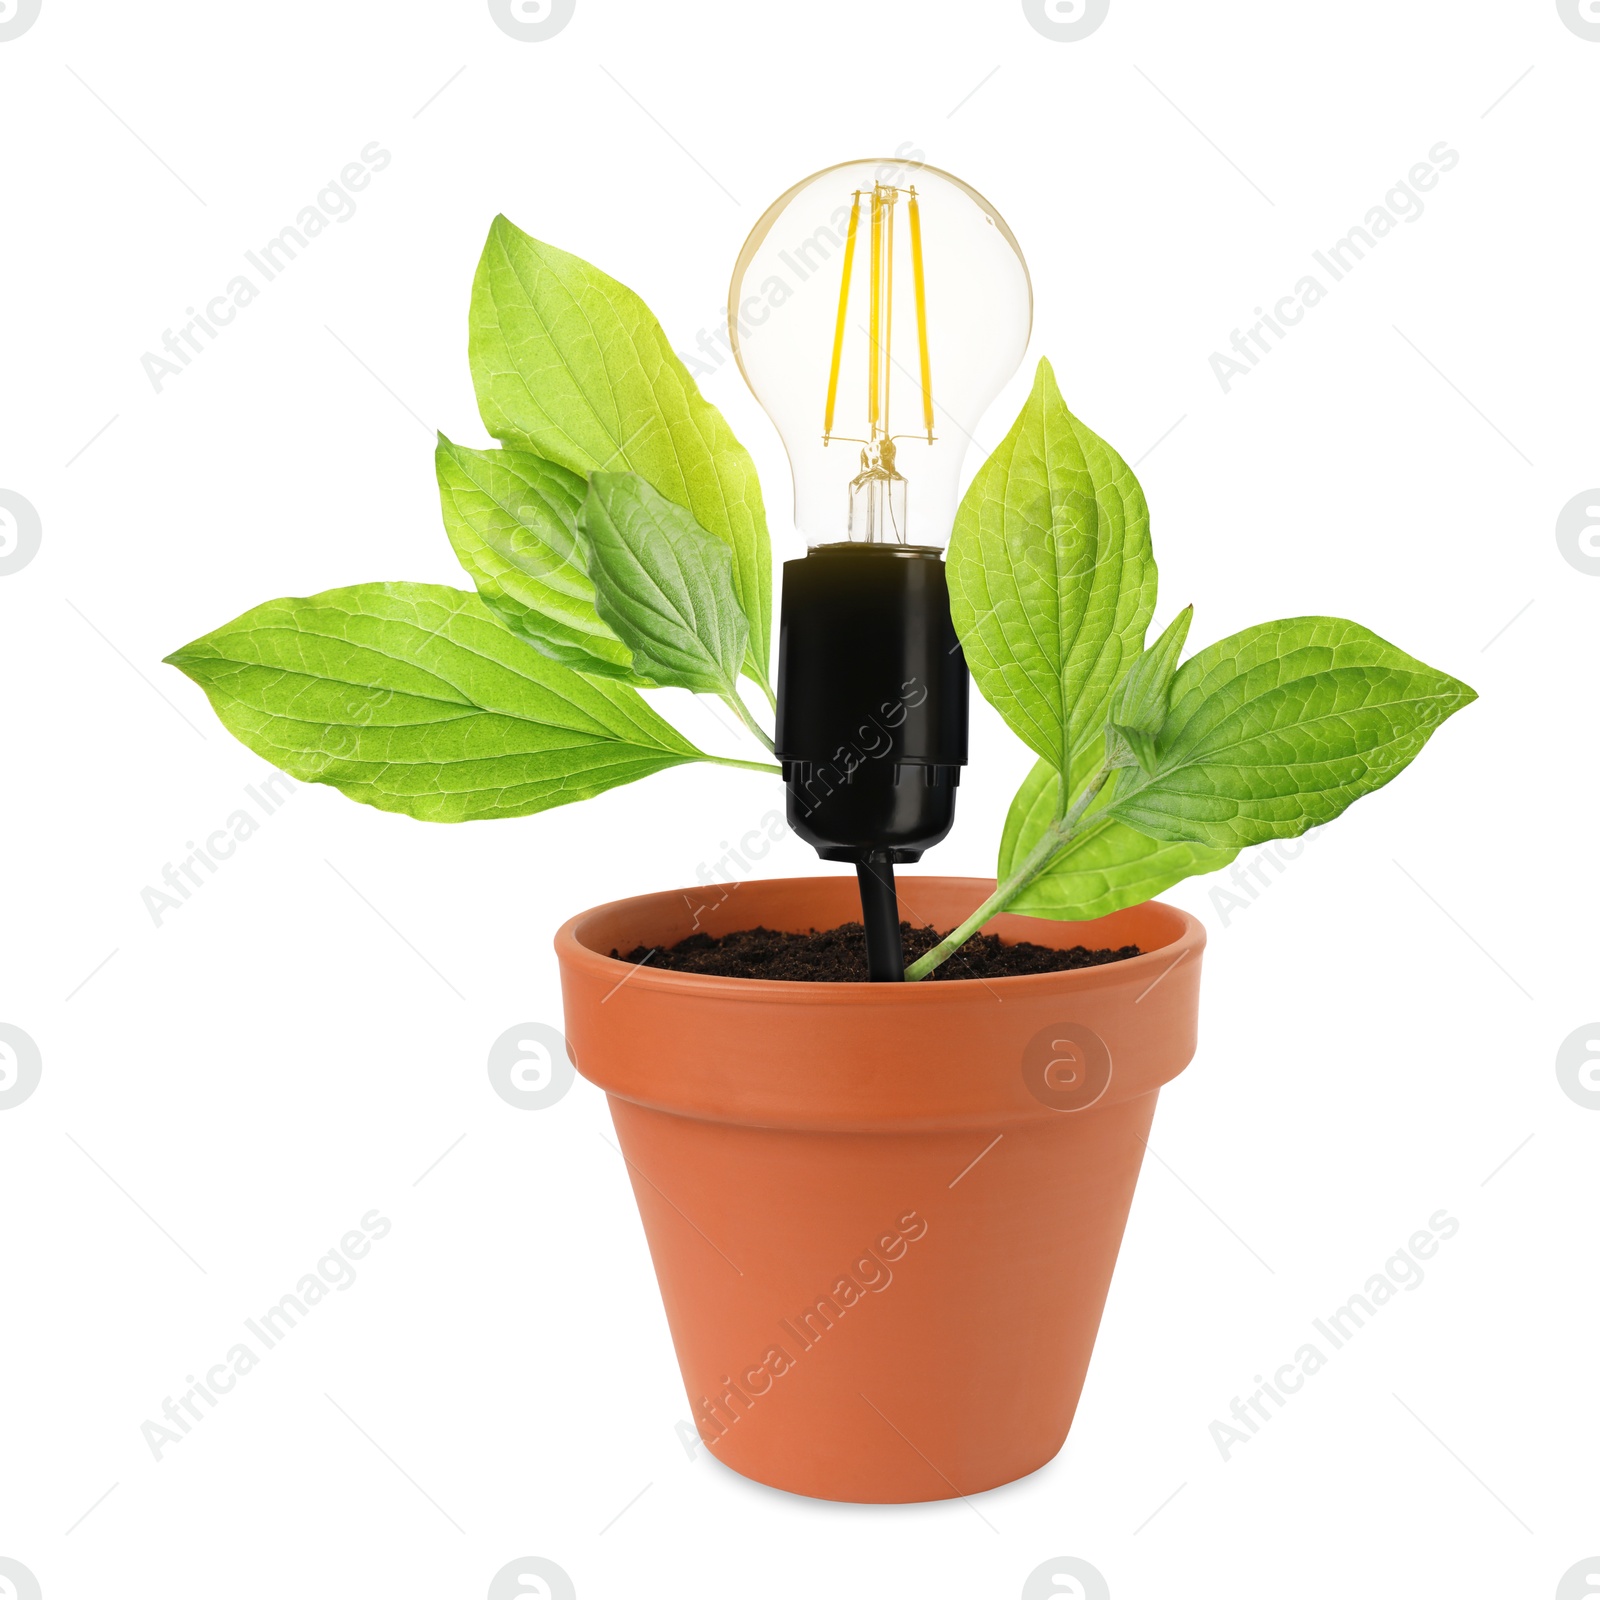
(877, 494)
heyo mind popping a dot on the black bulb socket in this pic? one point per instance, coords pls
(872, 701)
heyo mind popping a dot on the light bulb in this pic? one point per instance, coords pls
(876, 310)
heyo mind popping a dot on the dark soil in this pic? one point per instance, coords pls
(839, 955)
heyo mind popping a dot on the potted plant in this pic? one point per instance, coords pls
(883, 1216)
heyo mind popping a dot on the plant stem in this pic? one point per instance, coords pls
(740, 710)
(1056, 837)
(749, 766)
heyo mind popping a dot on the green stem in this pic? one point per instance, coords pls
(1056, 837)
(739, 709)
(749, 766)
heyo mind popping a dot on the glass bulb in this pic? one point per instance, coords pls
(876, 310)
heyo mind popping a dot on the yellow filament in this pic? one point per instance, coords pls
(880, 315)
(888, 301)
(838, 327)
(875, 317)
(922, 314)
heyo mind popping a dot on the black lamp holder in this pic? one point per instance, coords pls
(872, 717)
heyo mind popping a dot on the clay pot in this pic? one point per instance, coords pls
(883, 1216)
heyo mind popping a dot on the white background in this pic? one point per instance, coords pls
(225, 1095)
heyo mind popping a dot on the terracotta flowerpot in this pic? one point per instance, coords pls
(883, 1216)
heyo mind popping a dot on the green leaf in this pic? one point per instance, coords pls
(1139, 706)
(1052, 582)
(664, 586)
(1105, 866)
(1279, 728)
(570, 364)
(412, 697)
(513, 522)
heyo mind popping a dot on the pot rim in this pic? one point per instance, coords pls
(1187, 931)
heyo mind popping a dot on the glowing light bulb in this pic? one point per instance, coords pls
(876, 310)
